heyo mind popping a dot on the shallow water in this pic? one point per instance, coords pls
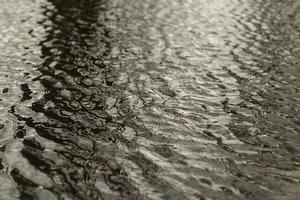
(150, 99)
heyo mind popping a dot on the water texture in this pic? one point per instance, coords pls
(169, 99)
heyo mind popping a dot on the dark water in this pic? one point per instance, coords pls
(150, 99)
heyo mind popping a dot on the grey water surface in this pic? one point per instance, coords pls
(145, 99)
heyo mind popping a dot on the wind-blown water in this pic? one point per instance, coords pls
(194, 99)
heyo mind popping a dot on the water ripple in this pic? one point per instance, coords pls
(149, 99)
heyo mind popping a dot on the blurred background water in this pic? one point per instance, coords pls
(194, 99)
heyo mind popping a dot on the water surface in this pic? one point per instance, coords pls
(150, 99)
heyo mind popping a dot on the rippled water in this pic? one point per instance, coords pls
(173, 99)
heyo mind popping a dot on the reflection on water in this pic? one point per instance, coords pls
(150, 99)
